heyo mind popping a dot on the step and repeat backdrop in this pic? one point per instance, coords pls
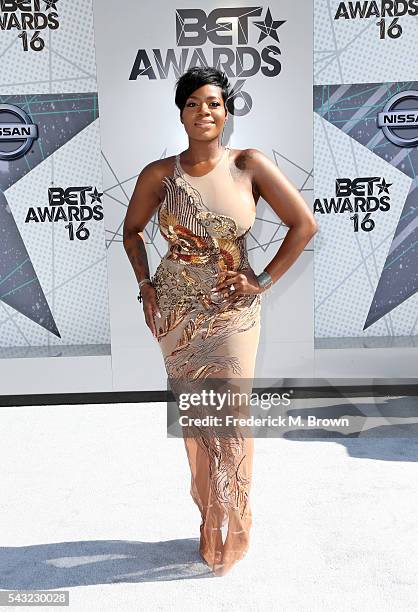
(87, 100)
(54, 303)
(53, 269)
(266, 51)
(73, 141)
(366, 166)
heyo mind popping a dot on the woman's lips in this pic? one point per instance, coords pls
(203, 124)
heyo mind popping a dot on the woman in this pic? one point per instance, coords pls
(203, 303)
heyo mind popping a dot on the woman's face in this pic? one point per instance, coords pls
(204, 113)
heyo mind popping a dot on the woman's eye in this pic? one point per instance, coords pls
(212, 103)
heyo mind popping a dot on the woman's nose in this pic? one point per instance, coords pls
(204, 108)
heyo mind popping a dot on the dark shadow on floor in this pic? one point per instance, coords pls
(69, 564)
(391, 441)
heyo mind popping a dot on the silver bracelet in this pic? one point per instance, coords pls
(145, 280)
(264, 280)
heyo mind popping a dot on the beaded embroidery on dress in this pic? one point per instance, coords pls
(205, 221)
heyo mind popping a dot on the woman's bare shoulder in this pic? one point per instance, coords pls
(245, 160)
(159, 168)
(150, 178)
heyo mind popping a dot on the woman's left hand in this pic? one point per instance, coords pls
(238, 283)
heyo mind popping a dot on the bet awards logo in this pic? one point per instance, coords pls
(360, 196)
(366, 9)
(17, 132)
(399, 119)
(29, 15)
(69, 205)
(228, 30)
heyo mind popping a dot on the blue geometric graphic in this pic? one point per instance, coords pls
(354, 110)
(59, 118)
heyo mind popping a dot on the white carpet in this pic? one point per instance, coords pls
(95, 499)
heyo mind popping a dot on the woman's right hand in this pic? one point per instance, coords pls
(150, 306)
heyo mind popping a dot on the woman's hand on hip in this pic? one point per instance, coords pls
(239, 283)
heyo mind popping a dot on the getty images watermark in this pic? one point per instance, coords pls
(267, 408)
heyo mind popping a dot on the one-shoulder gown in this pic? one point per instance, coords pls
(205, 221)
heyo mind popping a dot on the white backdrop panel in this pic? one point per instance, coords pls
(140, 123)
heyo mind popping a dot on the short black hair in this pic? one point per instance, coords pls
(196, 77)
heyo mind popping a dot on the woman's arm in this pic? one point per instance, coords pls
(288, 204)
(142, 205)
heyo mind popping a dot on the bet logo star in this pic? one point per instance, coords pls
(50, 4)
(268, 27)
(95, 196)
(383, 186)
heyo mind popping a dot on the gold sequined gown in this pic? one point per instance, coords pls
(205, 221)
